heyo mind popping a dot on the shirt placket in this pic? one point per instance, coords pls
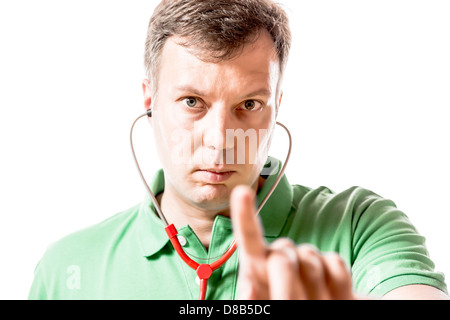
(221, 284)
(197, 252)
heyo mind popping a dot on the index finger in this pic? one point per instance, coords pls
(246, 225)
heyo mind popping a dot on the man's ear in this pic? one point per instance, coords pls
(281, 97)
(279, 103)
(146, 89)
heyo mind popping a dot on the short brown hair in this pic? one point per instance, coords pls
(216, 28)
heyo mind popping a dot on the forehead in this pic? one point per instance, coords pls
(256, 62)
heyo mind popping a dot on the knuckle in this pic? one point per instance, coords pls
(283, 243)
(311, 264)
(313, 270)
(335, 261)
(307, 250)
(283, 261)
(283, 251)
(282, 256)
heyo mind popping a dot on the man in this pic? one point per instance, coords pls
(215, 67)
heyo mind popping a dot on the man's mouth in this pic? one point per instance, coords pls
(214, 175)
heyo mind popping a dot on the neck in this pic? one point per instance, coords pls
(180, 212)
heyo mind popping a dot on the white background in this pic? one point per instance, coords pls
(366, 97)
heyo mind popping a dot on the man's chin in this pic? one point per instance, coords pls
(212, 197)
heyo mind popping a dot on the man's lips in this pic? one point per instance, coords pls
(214, 175)
(216, 170)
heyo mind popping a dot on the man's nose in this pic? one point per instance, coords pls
(215, 127)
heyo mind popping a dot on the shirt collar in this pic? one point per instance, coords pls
(276, 210)
(153, 237)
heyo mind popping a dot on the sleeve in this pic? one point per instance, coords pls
(38, 289)
(388, 252)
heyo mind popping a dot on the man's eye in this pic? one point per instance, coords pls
(191, 102)
(251, 105)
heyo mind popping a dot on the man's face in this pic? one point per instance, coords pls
(202, 112)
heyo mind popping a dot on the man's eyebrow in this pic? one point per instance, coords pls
(197, 92)
(190, 89)
(259, 92)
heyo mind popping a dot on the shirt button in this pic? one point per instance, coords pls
(182, 240)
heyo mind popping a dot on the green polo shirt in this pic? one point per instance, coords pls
(128, 256)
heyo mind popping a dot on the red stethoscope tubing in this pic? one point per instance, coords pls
(203, 270)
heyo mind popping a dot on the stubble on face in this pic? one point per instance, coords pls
(220, 88)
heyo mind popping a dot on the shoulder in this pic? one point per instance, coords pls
(89, 242)
(354, 199)
(359, 209)
(86, 251)
(332, 221)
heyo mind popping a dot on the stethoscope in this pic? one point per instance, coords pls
(203, 270)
